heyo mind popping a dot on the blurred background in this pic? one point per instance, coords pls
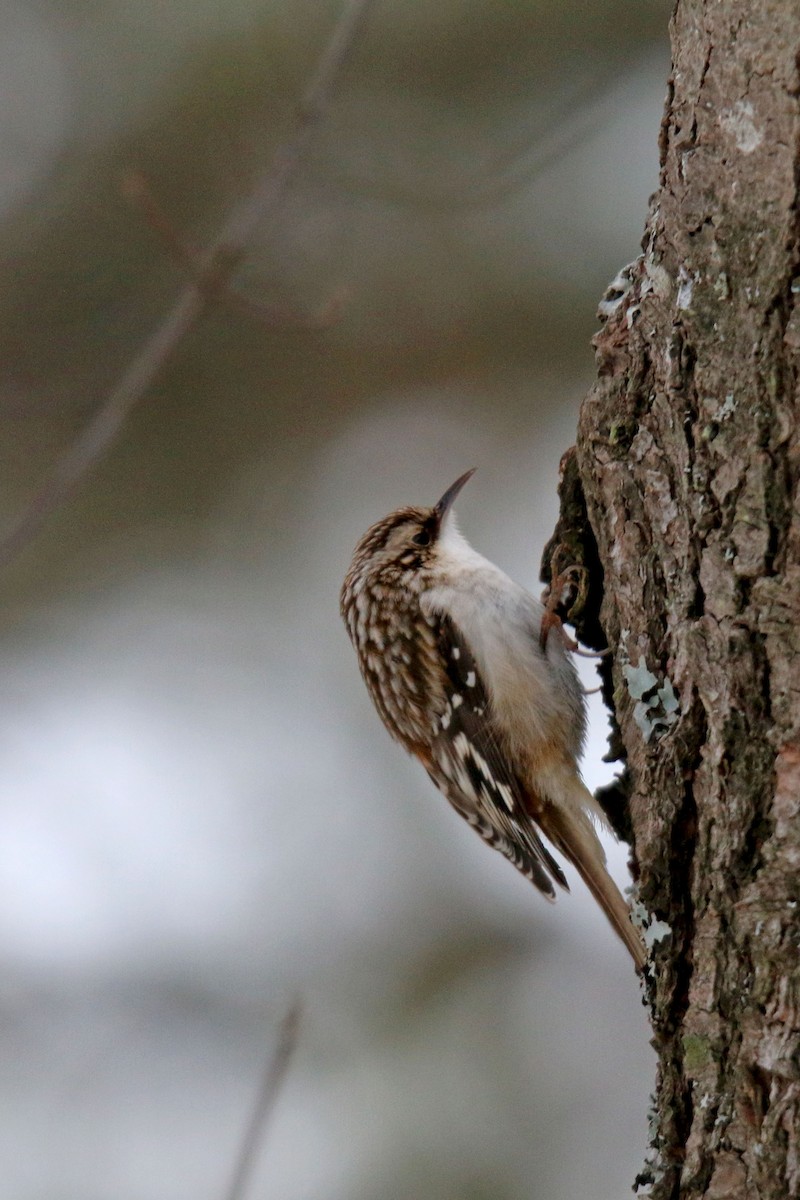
(201, 817)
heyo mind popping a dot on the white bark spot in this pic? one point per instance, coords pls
(739, 124)
(686, 284)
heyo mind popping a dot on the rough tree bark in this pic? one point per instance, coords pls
(688, 458)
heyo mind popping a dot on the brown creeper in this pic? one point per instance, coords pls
(456, 660)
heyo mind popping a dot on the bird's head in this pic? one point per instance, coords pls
(404, 544)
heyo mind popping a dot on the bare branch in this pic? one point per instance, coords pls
(212, 272)
(136, 188)
(530, 155)
(274, 1075)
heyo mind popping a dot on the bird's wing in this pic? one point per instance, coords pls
(470, 767)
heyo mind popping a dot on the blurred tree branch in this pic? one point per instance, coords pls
(689, 462)
(213, 270)
(572, 120)
(137, 188)
(271, 1083)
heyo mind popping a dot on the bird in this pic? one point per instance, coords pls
(470, 674)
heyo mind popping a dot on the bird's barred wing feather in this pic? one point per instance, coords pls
(472, 771)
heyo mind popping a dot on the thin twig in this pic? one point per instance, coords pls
(136, 188)
(214, 269)
(530, 156)
(274, 1075)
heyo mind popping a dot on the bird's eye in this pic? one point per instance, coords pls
(423, 538)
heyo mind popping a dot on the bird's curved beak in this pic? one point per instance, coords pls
(448, 499)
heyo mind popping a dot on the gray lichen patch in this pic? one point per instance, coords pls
(656, 705)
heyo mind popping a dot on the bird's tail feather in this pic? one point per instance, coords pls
(570, 830)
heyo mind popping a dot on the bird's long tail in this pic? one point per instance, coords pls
(569, 827)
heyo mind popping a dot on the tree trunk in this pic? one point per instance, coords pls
(689, 459)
